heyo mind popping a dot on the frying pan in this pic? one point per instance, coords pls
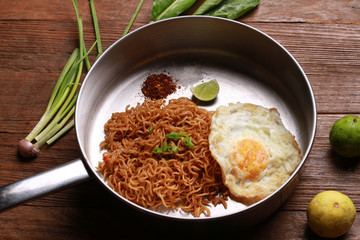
(249, 66)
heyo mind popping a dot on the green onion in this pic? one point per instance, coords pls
(56, 128)
(187, 142)
(81, 34)
(70, 125)
(137, 10)
(61, 105)
(175, 136)
(158, 150)
(174, 149)
(96, 28)
(49, 131)
(166, 148)
(46, 133)
(87, 53)
(54, 98)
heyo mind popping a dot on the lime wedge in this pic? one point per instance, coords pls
(206, 91)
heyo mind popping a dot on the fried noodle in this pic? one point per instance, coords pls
(189, 179)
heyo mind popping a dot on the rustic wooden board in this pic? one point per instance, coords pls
(36, 39)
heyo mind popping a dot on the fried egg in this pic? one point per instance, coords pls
(255, 151)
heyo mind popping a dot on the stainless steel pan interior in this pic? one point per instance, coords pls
(249, 66)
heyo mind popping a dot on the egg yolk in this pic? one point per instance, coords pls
(251, 157)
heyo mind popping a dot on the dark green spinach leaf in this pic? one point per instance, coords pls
(163, 9)
(233, 9)
(207, 6)
(159, 6)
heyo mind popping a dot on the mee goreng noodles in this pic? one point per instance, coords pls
(153, 170)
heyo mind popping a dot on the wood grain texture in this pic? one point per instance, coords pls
(36, 39)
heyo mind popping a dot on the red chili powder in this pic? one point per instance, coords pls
(158, 86)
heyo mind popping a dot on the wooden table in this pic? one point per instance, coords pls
(36, 39)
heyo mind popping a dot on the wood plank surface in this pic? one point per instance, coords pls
(36, 39)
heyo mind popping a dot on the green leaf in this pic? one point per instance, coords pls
(233, 9)
(206, 6)
(163, 10)
(159, 6)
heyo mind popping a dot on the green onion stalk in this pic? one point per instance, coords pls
(55, 121)
(133, 17)
(96, 28)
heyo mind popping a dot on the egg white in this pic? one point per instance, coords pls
(236, 123)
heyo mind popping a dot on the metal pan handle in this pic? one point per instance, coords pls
(61, 177)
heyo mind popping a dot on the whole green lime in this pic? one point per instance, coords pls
(331, 214)
(345, 136)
